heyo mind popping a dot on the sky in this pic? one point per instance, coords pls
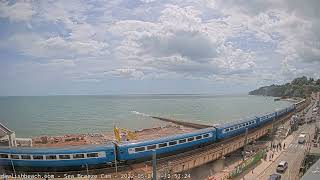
(151, 47)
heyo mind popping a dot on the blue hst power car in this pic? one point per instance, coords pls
(71, 157)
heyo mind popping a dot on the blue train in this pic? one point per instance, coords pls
(131, 152)
(57, 158)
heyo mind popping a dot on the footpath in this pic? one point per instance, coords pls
(254, 172)
(272, 155)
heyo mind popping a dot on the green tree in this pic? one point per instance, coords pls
(300, 81)
(311, 80)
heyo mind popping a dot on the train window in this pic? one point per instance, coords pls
(139, 149)
(199, 137)
(4, 156)
(172, 143)
(50, 157)
(226, 130)
(231, 129)
(64, 156)
(38, 157)
(190, 139)
(25, 157)
(163, 145)
(78, 156)
(151, 147)
(14, 156)
(205, 135)
(90, 155)
(182, 141)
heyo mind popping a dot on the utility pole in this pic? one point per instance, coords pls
(115, 157)
(154, 165)
(245, 144)
(272, 132)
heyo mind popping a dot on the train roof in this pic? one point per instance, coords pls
(167, 138)
(56, 150)
(229, 124)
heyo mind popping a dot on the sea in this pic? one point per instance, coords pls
(58, 115)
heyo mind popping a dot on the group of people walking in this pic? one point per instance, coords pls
(276, 147)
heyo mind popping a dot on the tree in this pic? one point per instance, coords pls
(300, 81)
(311, 80)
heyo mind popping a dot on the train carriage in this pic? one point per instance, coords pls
(73, 157)
(235, 128)
(137, 151)
(267, 118)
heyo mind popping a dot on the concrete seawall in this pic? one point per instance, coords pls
(182, 123)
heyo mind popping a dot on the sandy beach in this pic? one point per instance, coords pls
(108, 137)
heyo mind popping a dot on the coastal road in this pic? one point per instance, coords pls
(294, 155)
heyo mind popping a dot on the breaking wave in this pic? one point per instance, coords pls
(141, 114)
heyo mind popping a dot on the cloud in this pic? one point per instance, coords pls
(56, 47)
(233, 40)
(180, 43)
(21, 11)
(193, 45)
(126, 73)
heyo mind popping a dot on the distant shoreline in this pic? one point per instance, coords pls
(119, 95)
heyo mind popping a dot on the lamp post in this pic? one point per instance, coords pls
(308, 144)
(272, 132)
(245, 145)
(154, 165)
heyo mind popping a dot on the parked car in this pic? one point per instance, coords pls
(282, 166)
(302, 139)
(274, 177)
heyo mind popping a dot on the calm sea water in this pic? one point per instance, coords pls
(56, 115)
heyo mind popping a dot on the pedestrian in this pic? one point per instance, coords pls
(284, 145)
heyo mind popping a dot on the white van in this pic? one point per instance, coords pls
(302, 139)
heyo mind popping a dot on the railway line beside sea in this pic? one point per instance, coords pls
(176, 166)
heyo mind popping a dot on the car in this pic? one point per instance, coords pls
(302, 139)
(282, 166)
(274, 177)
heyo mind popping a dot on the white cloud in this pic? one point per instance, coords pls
(126, 73)
(21, 11)
(180, 43)
(209, 40)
